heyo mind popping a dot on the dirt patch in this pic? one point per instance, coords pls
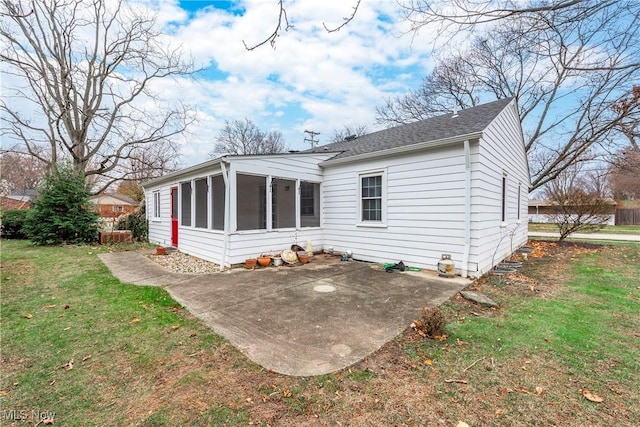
(21, 273)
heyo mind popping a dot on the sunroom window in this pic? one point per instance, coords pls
(217, 202)
(185, 203)
(251, 201)
(202, 188)
(283, 202)
(309, 204)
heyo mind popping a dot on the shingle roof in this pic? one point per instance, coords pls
(121, 197)
(465, 122)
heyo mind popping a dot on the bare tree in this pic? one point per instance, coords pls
(244, 137)
(21, 172)
(348, 131)
(576, 204)
(565, 76)
(84, 74)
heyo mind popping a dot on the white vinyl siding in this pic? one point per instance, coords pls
(499, 153)
(422, 209)
(160, 226)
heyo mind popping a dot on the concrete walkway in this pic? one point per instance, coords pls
(302, 320)
(589, 236)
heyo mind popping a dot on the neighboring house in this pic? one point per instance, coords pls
(112, 205)
(15, 203)
(544, 211)
(455, 184)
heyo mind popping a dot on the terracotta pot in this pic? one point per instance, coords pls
(161, 250)
(303, 258)
(264, 261)
(250, 263)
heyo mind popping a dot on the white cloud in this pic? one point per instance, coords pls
(312, 79)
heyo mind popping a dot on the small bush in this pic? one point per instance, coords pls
(13, 223)
(136, 222)
(432, 323)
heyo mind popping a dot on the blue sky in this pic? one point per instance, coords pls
(311, 80)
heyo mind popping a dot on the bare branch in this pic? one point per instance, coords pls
(283, 23)
(345, 20)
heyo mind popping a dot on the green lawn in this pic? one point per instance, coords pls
(78, 343)
(608, 229)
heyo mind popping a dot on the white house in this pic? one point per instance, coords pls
(454, 184)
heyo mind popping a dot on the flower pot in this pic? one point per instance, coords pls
(161, 250)
(277, 261)
(250, 263)
(264, 261)
(303, 258)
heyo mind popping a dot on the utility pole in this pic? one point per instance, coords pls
(311, 139)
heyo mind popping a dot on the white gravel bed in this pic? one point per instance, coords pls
(178, 262)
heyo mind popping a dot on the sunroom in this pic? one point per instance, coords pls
(236, 207)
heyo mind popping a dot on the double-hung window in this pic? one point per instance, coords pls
(372, 198)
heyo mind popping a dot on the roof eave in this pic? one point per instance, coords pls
(173, 175)
(403, 149)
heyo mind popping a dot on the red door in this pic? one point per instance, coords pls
(174, 217)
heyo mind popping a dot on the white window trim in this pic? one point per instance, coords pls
(374, 224)
(504, 197)
(156, 213)
(519, 205)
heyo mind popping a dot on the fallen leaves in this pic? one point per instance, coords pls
(591, 397)
(27, 315)
(135, 320)
(68, 366)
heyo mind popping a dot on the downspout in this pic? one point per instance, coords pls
(227, 214)
(467, 209)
